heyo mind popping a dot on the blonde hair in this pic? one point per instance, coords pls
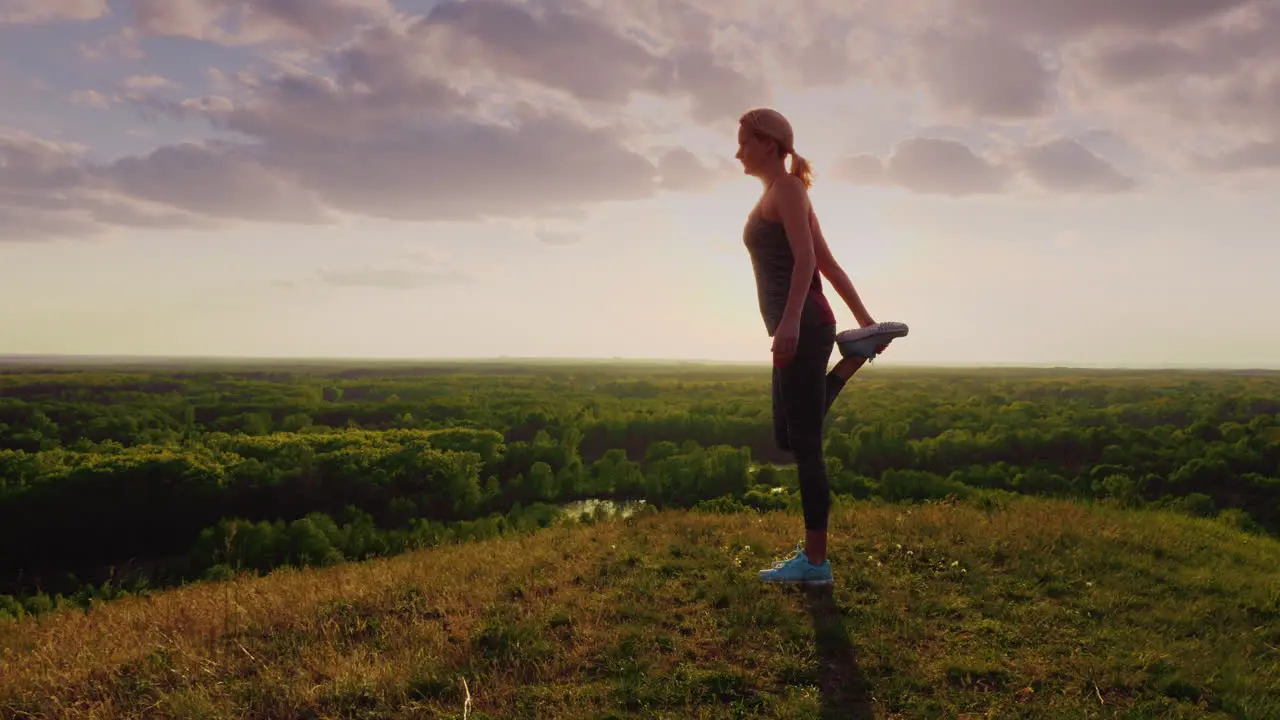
(770, 124)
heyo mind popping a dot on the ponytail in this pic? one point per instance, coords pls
(800, 168)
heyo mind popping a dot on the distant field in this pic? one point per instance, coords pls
(159, 475)
(397, 366)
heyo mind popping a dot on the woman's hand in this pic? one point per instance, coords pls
(785, 339)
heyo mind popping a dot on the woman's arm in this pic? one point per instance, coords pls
(836, 275)
(793, 207)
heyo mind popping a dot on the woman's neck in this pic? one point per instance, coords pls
(772, 174)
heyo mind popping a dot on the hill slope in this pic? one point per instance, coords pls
(1039, 609)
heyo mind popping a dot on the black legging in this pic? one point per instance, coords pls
(803, 391)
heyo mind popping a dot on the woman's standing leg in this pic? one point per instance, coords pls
(835, 382)
(781, 437)
(805, 391)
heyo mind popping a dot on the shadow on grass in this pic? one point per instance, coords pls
(845, 691)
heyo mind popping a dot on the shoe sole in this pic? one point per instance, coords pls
(805, 583)
(863, 342)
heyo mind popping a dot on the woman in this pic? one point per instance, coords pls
(788, 254)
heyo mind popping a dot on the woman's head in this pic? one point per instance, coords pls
(765, 138)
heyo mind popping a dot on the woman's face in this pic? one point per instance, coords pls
(753, 151)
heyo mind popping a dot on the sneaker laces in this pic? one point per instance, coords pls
(794, 554)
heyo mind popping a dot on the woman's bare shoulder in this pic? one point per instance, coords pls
(788, 192)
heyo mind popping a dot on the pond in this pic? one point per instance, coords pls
(609, 508)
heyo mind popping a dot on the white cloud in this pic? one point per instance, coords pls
(946, 166)
(927, 165)
(148, 82)
(50, 189)
(215, 179)
(1056, 18)
(1064, 165)
(40, 11)
(985, 73)
(90, 98)
(360, 109)
(235, 22)
(1204, 87)
(125, 43)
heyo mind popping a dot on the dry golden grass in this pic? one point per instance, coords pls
(1042, 609)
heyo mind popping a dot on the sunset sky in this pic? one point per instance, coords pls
(1090, 182)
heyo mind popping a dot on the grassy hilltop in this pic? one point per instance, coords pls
(1037, 609)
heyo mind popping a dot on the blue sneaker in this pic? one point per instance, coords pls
(798, 570)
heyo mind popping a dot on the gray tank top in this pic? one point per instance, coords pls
(772, 262)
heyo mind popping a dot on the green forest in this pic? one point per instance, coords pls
(117, 480)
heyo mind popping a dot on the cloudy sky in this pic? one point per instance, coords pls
(1022, 181)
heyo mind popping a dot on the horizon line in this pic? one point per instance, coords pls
(115, 359)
